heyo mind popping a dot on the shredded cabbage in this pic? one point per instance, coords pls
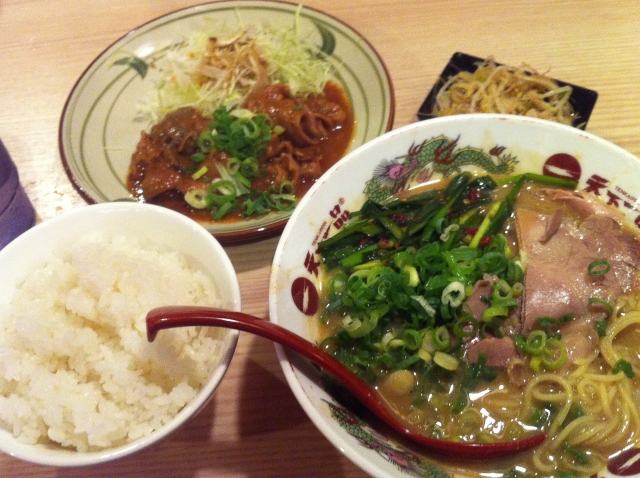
(207, 72)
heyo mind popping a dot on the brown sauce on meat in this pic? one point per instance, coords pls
(317, 132)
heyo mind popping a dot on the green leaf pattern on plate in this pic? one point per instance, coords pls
(328, 40)
(136, 63)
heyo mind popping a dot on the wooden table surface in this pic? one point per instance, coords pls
(254, 427)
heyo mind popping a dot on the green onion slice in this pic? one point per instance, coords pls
(536, 342)
(604, 303)
(205, 141)
(196, 198)
(441, 338)
(599, 267)
(625, 367)
(446, 361)
(224, 209)
(466, 327)
(555, 354)
(200, 172)
(494, 311)
(453, 294)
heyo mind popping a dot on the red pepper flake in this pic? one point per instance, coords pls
(474, 194)
(385, 243)
(471, 231)
(484, 242)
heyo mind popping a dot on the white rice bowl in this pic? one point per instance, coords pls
(79, 382)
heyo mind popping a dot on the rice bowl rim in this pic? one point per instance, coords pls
(158, 225)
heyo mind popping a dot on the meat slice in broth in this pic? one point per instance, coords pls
(499, 351)
(559, 246)
(482, 289)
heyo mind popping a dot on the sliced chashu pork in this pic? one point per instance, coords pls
(559, 248)
(499, 351)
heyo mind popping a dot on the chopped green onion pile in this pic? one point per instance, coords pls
(399, 274)
(244, 136)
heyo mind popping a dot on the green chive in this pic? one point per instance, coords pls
(597, 300)
(599, 267)
(624, 367)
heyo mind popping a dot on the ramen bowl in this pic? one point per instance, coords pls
(104, 115)
(415, 154)
(106, 263)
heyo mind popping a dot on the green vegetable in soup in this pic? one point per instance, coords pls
(398, 275)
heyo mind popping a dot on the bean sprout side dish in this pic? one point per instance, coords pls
(494, 88)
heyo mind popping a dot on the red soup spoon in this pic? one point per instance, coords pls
(181, 316)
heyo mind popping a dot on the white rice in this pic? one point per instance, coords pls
(75, 364)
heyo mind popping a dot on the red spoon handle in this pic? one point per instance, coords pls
(182, 316)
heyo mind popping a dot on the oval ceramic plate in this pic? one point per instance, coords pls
(399, 159)
(99, 131)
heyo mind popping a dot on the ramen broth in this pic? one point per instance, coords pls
(586, 403)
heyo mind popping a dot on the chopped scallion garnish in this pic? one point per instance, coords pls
(624, 367)
(599, 267)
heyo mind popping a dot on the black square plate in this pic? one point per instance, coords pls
(582, 99)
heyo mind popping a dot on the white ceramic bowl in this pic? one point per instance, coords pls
(513, 143)
(151, 224)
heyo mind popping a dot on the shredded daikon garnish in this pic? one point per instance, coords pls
(208, 71)
(494, 88)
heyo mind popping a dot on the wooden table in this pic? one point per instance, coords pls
(254, 427)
